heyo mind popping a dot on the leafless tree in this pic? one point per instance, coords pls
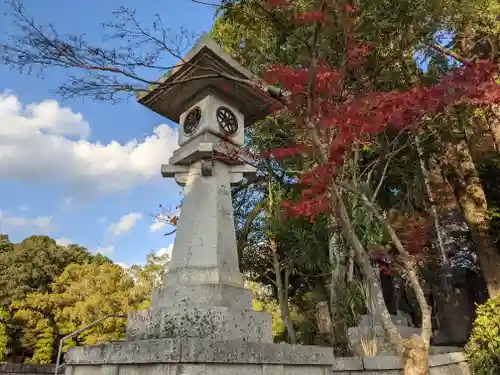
(128, 60)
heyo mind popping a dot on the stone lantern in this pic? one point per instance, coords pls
(204, 285)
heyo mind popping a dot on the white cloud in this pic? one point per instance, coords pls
(166, 251)
(23, 208)
(157, 226)
(46, 143)
(11, 223)
(106, 250)
(64, 241)
(125, 224)
(101, 219)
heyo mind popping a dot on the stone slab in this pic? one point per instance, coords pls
(240, 369)
(206, 369)
(201, 295)
(382, 363)
(448, 358)
(195, 350)
(451, 369)
(445, 349)
(251, 352)
(24, 368)
(348, 364)
(150, 351)
(214, 323)
(204, 146)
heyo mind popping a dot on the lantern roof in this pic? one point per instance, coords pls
(207, 70)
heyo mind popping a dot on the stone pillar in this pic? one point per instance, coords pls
(203, 294)
(204, 268)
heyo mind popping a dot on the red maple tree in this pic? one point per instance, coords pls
(335, 120)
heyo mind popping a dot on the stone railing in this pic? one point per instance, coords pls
(25, 369)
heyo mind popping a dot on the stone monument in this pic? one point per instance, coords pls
(201, 320)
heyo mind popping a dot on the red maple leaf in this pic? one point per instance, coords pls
(356, 118)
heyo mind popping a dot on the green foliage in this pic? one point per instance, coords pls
(489, 172)
(59, 289)
(44, 346)
(33, 264)
(85, 293)
(4, 335)
(147, 278)
(262, 302)
(34, 316)
(80, 295)
(484, 346)
(301, 310)
(481, 15)
(303, 313)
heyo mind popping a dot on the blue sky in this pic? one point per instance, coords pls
(82, 171)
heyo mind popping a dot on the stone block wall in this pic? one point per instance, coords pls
(25, 369)
(441, 364)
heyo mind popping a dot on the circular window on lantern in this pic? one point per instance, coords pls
(227, 120)
(192, 121)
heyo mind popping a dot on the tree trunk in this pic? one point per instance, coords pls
(415, 352)
(283, 295)
(454, 322)
(350, 266)
(430, 197)
(460, 170)
(484, 139)
(337, 291)
(493, 120)
(324, 319)
(415, 356)
(371, 280)
(243, 237)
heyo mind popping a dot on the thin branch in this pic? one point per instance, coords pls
(39, 48)
(205, 3)
(447, 52)
(248, 223)
(169, 233)
(384, 171)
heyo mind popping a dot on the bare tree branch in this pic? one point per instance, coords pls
(206, 3)
(104, 72)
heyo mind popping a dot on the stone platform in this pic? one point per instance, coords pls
(192, 356)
